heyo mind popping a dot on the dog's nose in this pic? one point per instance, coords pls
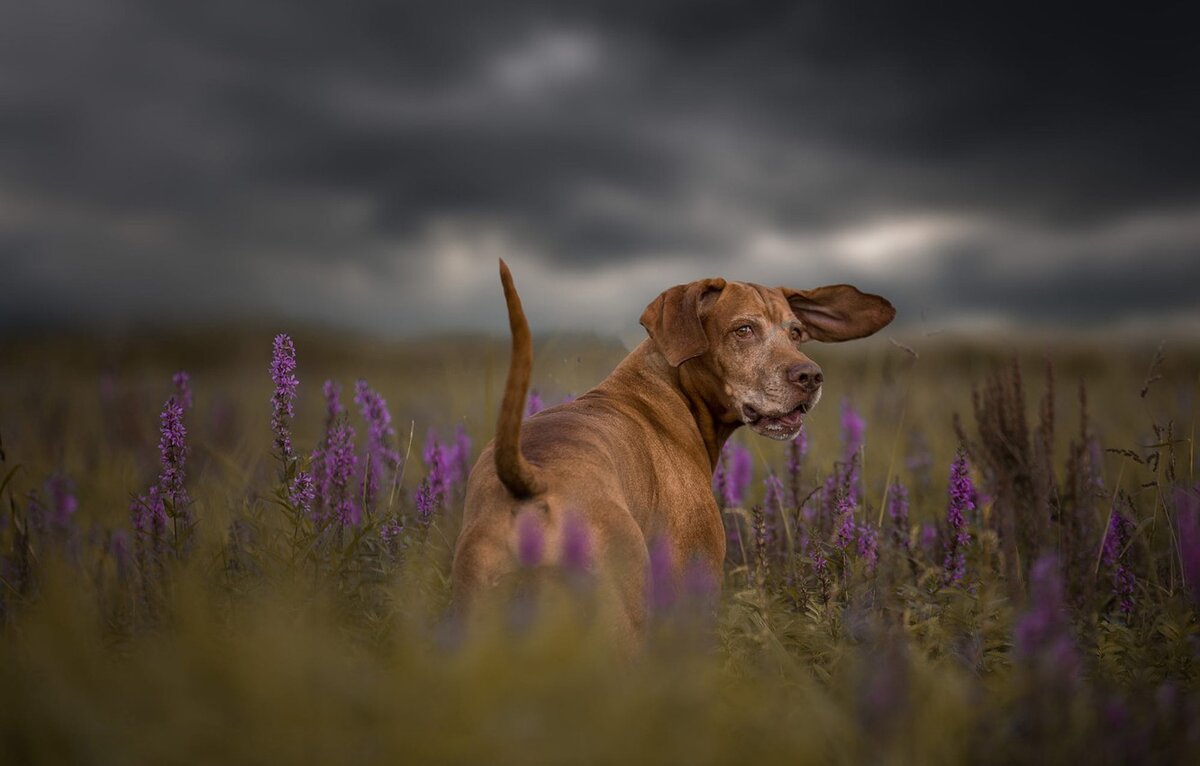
(807, 375)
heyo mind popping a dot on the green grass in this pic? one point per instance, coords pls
(256, 647)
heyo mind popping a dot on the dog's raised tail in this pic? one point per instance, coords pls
(518, 476)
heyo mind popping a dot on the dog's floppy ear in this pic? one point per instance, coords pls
(838, 312)
(673, 320)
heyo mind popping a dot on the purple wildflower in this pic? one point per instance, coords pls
(853, 429)
(929, 538)
(62, 501)
(699, 586)
(846, 528)
(576, 544)
(448, 464)
(796, 450)
(391, 529)
(339, 463)
(333, 403)
(425, 501)
(283, 369)
(720, 479)
(534, 405)
(962, 500)
(149, 519)
(1187, 518)
(438, 465)
(1042, 636)
(660, 587)
(1116, 539)
(459, 464)
(381, 455)
(821, 569)
(531, 541)
(320, 463)
(173, 449)
(303, 492)
(732, 475)
(898, 512)
(740, 473)
(183, 389)
(868, 545)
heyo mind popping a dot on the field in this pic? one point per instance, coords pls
(982, 552)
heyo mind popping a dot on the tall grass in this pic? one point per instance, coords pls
(958, 564)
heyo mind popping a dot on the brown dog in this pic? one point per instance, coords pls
(632, 460)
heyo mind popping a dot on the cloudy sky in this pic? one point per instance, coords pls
(364, 162)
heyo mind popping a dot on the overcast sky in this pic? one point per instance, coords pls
(364, 162)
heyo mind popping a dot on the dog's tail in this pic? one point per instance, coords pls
(515, 472)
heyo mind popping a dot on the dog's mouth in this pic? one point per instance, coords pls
(784, 425)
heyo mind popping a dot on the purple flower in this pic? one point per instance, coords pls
(448, 464)
(148, 514)
(699, 586)
(732, 474)
(173, 450)
(320, 463)
(381, 455)
(333, 403)
(868, 545)
(391, 530)
(62, 500)
(821, 569)
(182, 389)
(283, 368)
(962, 500)
(1042, 636)
(1187, 518)
(853, 429)
(1116, 539)
(534, 405)
(929, 538)
(303, 492)
(576, 544)
(844, 511)
(438, 469)
(796, 450)
(459, 464)
(339, 462)
(425, 500)
(898, 512)
(660, 586)
(531, 541)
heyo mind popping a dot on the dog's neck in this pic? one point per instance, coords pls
(645, 374)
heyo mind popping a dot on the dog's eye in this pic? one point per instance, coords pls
(744, 331)
(797, 334)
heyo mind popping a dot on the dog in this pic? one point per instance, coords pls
(630, 462)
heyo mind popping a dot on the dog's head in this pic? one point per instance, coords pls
(741, 343)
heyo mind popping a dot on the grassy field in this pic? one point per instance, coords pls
(1041, 607)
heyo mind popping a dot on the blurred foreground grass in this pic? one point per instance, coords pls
(264, 639)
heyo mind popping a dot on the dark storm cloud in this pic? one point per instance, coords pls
(315, 159)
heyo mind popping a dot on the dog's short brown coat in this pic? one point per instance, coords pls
(633, 458)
